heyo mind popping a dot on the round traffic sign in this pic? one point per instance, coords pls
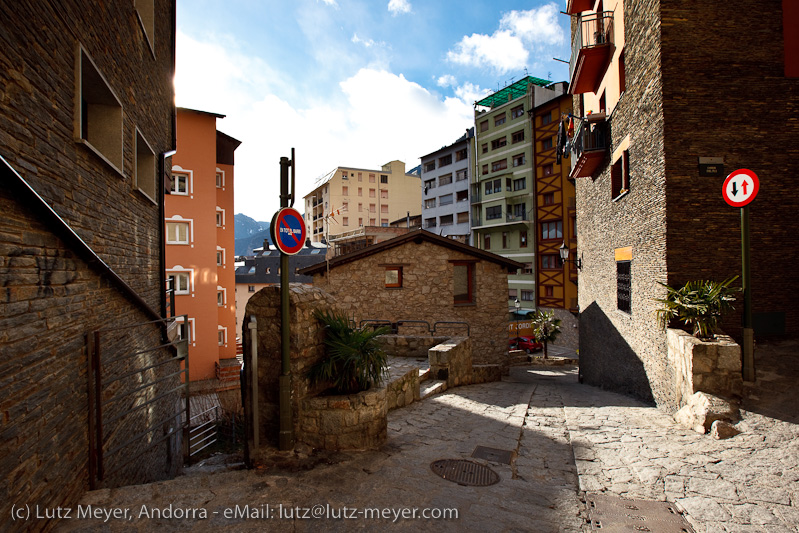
(288, 230)
(740, 187)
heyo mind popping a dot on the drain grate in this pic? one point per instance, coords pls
(494, 455)
(610, 514)
(464, 472)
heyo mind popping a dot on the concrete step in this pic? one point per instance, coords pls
(431, 387)
(424, 374)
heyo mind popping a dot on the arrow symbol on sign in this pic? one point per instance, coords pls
(744, 185)
(735, 188)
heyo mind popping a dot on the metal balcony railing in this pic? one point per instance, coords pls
(589, 137)
(515, 217)
(592, 31)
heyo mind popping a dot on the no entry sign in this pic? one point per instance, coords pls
(288, 231)
(740, 187)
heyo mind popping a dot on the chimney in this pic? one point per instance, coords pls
(266, 245)
(308, 242)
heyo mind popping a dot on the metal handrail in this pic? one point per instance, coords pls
(468, 328)
(592, 31)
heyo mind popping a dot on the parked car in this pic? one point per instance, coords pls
(525, 343)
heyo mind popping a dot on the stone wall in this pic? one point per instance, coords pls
(569, 328)
(426, 294)
(452, 361)
(408, 345)
(712, 367)
(353, 422)
(402, 390)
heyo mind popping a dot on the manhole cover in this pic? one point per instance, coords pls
(608, 514)
(464, 472)
(494, 455)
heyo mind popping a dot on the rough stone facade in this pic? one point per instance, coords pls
(55, 292)
(353, 422)
(569, 328)
(683, 102)
(713, 367)
(409, 345)
(451, 361)
(426, 292)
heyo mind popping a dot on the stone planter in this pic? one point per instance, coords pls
(352, 422)
(709, 366)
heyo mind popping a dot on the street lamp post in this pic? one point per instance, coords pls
(517, 304)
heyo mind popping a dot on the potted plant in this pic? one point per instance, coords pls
(546, 328)
(698, 304)
(354, 360)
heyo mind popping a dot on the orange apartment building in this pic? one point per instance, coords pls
(200, 241)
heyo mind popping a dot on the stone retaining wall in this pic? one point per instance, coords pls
(712, 367)
(451, 360)
(404, 390)
(408, 345)
(353, 422)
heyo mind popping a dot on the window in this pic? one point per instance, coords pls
(371, 193)
(508, 184)
(624, 286)
(483, 126)
(185, 329)
(220, 257)
(345, 206)
(487, 241)
(499, 165)
(552, 230)
(384, 194)
(360, 221)
(549, 198)
(523, 239)
(221, 336)
(345, 221)
(485, 170)
(620, 175)
(444, 161)
(463, 283)
(527, 269)
(360, 191)
(622, 76)
(484, 148)
(220, 179)
(145, 168)
(499, 143)
(360, 176)
(393, 277)
(528, 296)
(383, 178)
(430, 166)
(517, 111)
(430, 222)
(504, 239)
(219, 218)
(550, 261)
(98, 121)
(145, 10)
(444, 180)
(250, 288)
(546, 118)
(384, 222)
(517, 137)
(493, 213)
(549, 291)
(384, 208)
(445, 200)
(499, 120)
(180, 184)
(373, 208)
(371, 178)
(446, 220)
(546, 144)
(463, 218)
(430, 203)
(519, 160)
(345, 175)
(373, 222)
(512, 294)
(520, 211)
(177, 233)
(180, 282)
(462, 196)
(430, 184)
(360, 207)
(460, 155)
(519, 184)
(548, 169)
(461, 175)
(220, 298)
(345, 190)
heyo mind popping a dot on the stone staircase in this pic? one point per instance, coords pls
(429, 386)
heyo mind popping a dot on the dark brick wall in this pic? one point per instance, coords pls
(49, 297)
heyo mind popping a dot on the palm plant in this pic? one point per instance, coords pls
(546, 328)
(698, 304)
(354, 360)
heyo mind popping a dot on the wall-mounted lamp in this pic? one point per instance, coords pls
(564, 257)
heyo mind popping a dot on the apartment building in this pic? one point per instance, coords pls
(200, 241)
(503, 181)
(445, 189)
(350, 198)
(674, 95)
(86, 131)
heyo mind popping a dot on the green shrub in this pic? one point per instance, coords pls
(698, 304)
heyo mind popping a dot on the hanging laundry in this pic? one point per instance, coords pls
(561, 146)
(570, 131)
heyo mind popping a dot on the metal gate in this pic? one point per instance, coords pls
(138, 399)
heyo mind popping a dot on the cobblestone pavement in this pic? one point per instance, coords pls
(566, 437)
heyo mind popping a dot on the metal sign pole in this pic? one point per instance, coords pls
(286, 435)
(748, 332)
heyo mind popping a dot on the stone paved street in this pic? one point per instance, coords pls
(566, 437)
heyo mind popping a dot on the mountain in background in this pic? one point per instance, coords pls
(250, 234)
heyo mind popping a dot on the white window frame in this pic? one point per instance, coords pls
(221, 211)
(220, 249)
(220, 183)
(189, 181)
(177, 219)
(192, 329)
(178, 269)
(223, 330)
(223, 292)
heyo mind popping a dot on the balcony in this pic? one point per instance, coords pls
(575, 7)
(592, 48)
(515, 217)
(589, 147)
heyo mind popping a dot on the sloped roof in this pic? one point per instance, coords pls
(418, 236)
(512, 91)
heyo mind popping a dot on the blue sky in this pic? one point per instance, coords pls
(352, 82)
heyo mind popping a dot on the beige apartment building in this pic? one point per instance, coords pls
(347, 199)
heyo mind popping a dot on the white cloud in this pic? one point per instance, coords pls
(470, 93)
(368, 43)
(330, 2)
(366, 120)
(447, 80)
(397, 7)
(509, 47)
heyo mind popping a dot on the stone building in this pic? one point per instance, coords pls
(422, 276)
(445, 189)
(86, 129)
(674, 96)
